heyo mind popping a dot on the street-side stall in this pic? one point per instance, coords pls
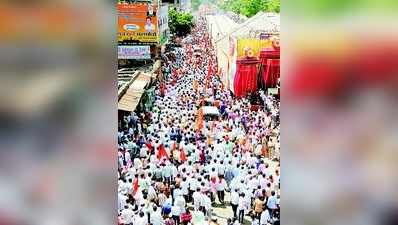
(246, 42)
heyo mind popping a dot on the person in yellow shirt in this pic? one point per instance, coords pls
(258, 207)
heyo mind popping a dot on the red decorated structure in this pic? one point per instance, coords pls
(246, 76)
(252, 74)
(270, 67)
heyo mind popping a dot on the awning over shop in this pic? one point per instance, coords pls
(131, 98)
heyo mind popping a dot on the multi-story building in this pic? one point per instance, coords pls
(163, 21)
(180, 5)
(185, 5)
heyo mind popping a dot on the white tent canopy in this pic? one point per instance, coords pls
(219, 26)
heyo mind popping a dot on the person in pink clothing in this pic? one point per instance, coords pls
(213, 188)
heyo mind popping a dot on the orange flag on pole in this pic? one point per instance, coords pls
(200, 122)
(135, 186)
(183, 157)
(149, 146)
(161, 152)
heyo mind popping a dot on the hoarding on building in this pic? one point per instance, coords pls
(134, 52)
(138, 24)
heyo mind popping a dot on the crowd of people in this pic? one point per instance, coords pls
(176, 168)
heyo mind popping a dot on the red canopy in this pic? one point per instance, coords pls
(270, 62)
(271, 73)
(269, 53)
(246, 76)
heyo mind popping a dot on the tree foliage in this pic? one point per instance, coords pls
(196, 3)
(250, 8)
(180, 23)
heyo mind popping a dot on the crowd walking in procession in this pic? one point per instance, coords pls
(178, 165)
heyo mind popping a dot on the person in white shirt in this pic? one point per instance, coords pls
(220, 186)
(175, 213)
(185, 188)
(156, 216)
(205, 203)
(196, 199)
(167, 172)
(143, 152)
(193, 185)
(141, 219)
(265, 218)
(122, 201)
(127, 215)
(263, 181)
(213, 172)
(174, 171)
(252, 183)
(268, 190)
(121, 159)
(180, 202)
(221, 168)
(242, 207)
(126, 187)
(235, 201)
(272, 203)
(152, 193)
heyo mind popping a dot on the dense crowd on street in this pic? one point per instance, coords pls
(175, 167)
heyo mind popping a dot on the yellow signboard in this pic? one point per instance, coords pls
(254, 44)
(137, 23)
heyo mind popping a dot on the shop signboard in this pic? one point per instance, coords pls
(134, 52)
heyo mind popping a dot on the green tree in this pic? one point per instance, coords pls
(195, 4)
(250, 8)
(180, 23)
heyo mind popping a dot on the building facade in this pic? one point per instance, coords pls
(163, 21)
(185, 5)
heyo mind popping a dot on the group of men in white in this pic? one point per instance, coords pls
(173, 171)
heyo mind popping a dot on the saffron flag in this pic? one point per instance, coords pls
(135, 186)
(200, 120)
(209, 69)
(183, 157)
(161, 152)
(149, 146)
(162, 89)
